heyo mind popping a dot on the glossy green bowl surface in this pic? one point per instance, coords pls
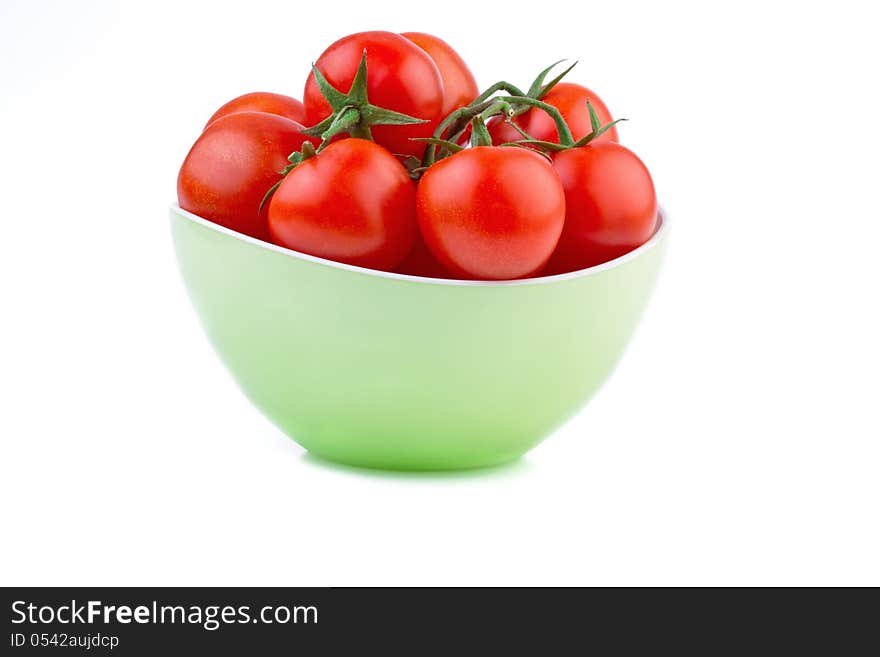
(390, 371)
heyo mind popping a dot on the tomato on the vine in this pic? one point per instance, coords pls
(491, 212)
(459, 84)
(402, 77)
(233, 164)
(353, 202)
(571, 101)
(611, 206)
(263, 101)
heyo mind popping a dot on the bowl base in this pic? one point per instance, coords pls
(407, 465)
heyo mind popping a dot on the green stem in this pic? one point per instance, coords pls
(347, 119)
(460, 119)
(498, 86)
(462, 114)
(308, 151)
(360, 132)
(565, 137)
(485, 106)
(479, 134)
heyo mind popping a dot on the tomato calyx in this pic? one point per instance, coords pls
(352, 112)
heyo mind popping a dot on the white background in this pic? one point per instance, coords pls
(736, 444)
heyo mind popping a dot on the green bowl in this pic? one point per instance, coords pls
(399, 372)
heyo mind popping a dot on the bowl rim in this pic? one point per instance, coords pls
(659, 233)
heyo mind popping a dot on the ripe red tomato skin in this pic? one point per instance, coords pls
(420, 262)
(491, 213)
(400, 77)
(232, 165)
(571, 101)
(459, 85)
(611, 205)
(263, 101)
(353, 203)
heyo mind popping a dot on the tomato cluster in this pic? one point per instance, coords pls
(405, 166)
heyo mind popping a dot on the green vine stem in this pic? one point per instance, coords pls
(461, 115)
(500, 105)
(562, 129)
(597, 129)
(453, 127)
(506, 87)
(479, 133)
(537, 90)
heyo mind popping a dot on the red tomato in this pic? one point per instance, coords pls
(353, 202)
(611, 207)
(400, 77)
(491, 212)
(231, 167)
(263, 101)
(420, 262)
(571, 101)
(459, 84)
